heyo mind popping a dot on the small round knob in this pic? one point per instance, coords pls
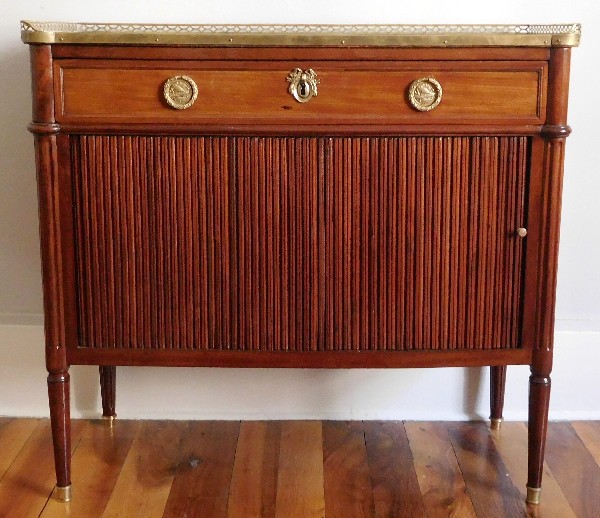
(522, 232)
(425, 94)
(180, 92)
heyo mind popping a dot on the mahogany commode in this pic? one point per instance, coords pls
(299, 196)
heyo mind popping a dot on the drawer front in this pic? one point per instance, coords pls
(245, 93)
(299, 244)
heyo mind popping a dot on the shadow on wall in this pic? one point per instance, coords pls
(20, 295)
(85, 398)
(346, 394)
(473, 392)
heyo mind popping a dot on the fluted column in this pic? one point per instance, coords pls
(551, 147)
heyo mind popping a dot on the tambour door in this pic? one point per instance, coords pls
(298, 244)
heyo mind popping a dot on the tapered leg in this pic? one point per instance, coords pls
(497, 384)
(539, 400)
(60, 419)
(108, 386)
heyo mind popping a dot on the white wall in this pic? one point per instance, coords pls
(218, 393)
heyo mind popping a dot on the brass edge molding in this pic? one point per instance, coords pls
(563, 35)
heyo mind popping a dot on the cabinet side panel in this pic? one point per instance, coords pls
(299, 244)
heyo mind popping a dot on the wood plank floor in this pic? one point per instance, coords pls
(298, 469)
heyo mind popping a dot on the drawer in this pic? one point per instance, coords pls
(244, 92)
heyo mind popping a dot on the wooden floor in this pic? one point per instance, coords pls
(298, 469)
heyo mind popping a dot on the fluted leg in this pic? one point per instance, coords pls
(60, 419)
(539, 400)
(108, 385)
(497, 384)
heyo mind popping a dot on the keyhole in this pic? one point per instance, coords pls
(304, 89)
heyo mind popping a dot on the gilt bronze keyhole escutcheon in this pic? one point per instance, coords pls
(303, 84)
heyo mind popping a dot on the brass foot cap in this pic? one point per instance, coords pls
(533, 495)
(63, 494)
(496, 424)
(109, 419)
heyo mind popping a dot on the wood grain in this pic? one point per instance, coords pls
(144, 483)
(108, 390)
(348, 491)
(484, 471)
(547, 179)
(300, 490)
(350, 231)
(304, 53)
(442, 485)
(589, 433)
(511, 443)
(96, 464)
(30, 479)
(349, 92)
(302, 359)
(393, 478)
(249, 244)
(574, 468)
(254, 481)
(203, 474)
(14, 433)
(416, 474)
(497, 386)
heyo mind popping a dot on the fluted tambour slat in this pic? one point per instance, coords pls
(299, 244)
